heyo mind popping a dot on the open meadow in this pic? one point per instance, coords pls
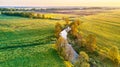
(27, 43)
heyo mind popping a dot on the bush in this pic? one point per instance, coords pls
(84, 56)
(68, 64)
(83, 60)
(74, 27)
(91, 43)
(114, 54)
(85, 64)
(77, 22)
(66, 21)
(43, 16)
(61, 42)
(38, 15)
(31, 15)
(58, 29)
(79, 40)
(74, 30)
(64, 49)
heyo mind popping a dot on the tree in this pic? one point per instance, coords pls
(66, 20)
(74, 30)
(75, 36)
(114, 54)
(64, 49)
(38, 15)
(43, 16)
(74, 27)
(79, 40)
(77, 22)
(91, 43)
(31, 15)
(83, 60)
(61, 42)
(84, 56)
(58, 29)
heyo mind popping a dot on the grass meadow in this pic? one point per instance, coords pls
(27, 42)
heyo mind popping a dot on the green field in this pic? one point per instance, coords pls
(28, 42)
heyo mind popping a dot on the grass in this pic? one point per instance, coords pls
(35, 56)
(23, 31)
(106, 28)
(27, 42)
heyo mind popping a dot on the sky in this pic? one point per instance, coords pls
(114, 3)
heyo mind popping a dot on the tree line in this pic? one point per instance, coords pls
(26, 14)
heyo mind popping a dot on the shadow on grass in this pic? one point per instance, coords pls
(30, 44)
(19, 46)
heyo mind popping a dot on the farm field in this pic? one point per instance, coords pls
(28, 42)
(105, 26)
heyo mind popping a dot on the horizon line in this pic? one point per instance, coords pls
(53, 6)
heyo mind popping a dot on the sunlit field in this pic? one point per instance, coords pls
(27, 42)
(105, 26)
